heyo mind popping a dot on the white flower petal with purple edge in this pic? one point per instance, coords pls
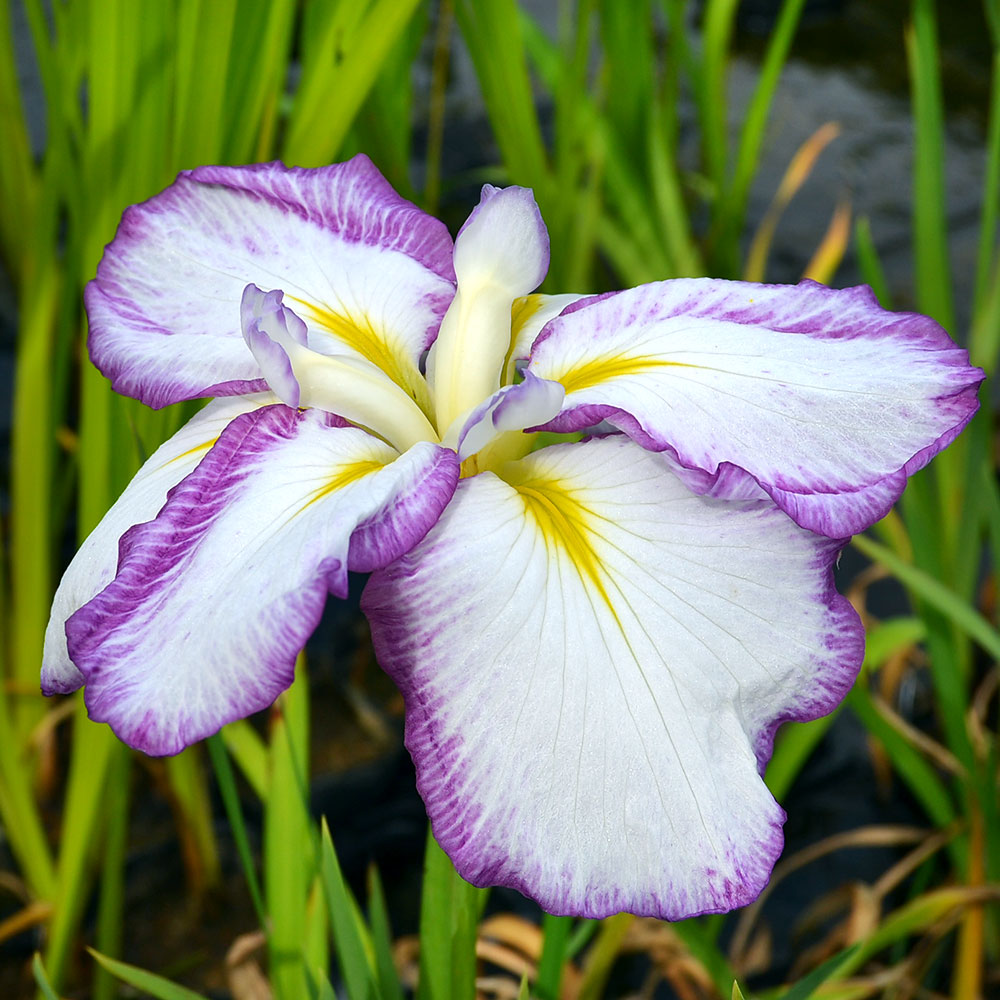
(594, 661)
(93, 566)
(369, 273)
(214, 598)
(821, 396)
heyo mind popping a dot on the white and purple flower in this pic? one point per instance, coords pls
(596, 640)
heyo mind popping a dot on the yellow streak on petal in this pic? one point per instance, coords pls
(522, 310)
(564, 523)
(591, 373)
(374, 345)
(193, 451)
(345, 475)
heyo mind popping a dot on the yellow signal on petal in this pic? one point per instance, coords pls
(375, 346)
(345, 475)
(567, 526)
(591, 373)
(204, 446)
(522, 310)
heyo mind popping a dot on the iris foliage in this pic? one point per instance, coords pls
(134, 93)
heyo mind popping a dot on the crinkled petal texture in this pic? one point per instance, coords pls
(594, 661)
(215, 597)
(820, 396)
(369, 273)
(93, 567)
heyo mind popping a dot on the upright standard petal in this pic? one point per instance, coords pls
(216, 596)
(369, 273)
(821, 396)
(93, 567)
(501, 254)
(594, 661)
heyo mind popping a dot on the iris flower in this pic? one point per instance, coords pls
(596, 639)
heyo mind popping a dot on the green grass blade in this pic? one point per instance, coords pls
(390, 987)
(188, 783)
(986, 256)
(93, 749)
(602, 955)
(449, 918)
(231, 801)
(935, 593)
(41, 978)
(930, 223)
(700, 937)
(355, 954)
(869, 262)
(18, 176)
(718, 20)
(554, 955)
(758, 111)
(19, 814)
(347, 69)
(809, 984)
(289, 853)
(250, 753)
(111, 905)
(920, 777)
(261, 41)
(494, 33)
(155, 986)
(204, 46)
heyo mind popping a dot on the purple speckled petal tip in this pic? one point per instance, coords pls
(370, 274)
(594, 661)
(215, 597)
(820, 396)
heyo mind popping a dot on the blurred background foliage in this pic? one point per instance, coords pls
(645, 159)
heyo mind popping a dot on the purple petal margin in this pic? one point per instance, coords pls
(109, 639)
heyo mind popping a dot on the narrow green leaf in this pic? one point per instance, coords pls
(919, 776)
(231, 802)
(869, 262)
(41, 979)
(930, 222)
(986, 258)
(554, 955)
(111, 905)
(156, 986)
(187, 778)
(390, 987)
(449, 917)
(758, 111)
(935, 593)
(355, 954)
(494, 32)
(289, 858)
(93, 747)
(810, 983)
(602, 955)
(249, 752)
(347, 69)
